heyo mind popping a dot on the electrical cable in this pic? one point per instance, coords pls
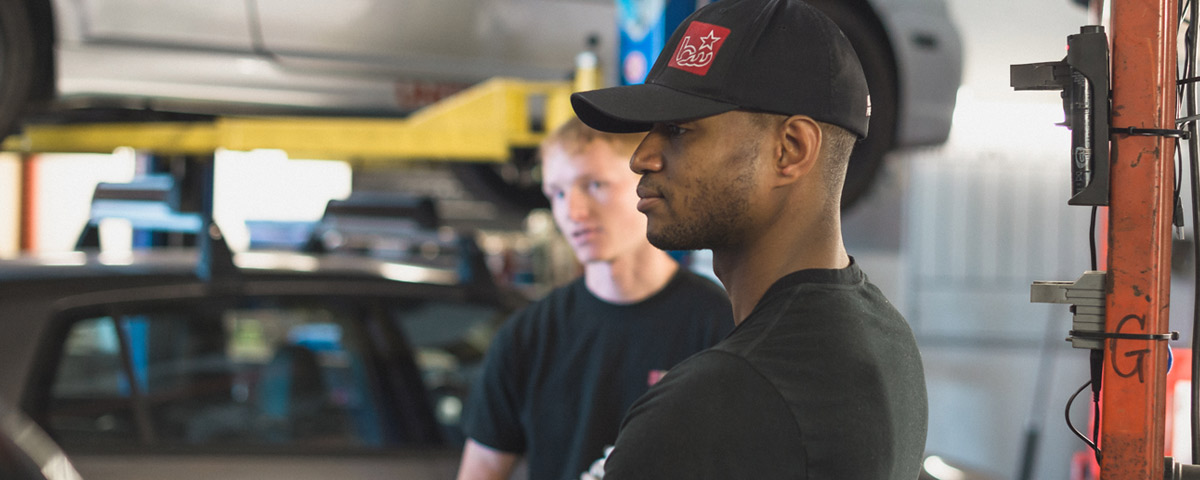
(1186, 88)
(1070, 425)
(1097, 367)
(1096, 423)
(1190, 38)
(1096, 364)
(1096, 361)
(1092, 238)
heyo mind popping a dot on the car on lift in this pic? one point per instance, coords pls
(95, 59)
(196, 362)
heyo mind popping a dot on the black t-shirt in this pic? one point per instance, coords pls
(560, 375)
(822, 381)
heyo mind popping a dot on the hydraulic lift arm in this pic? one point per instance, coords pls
(481, 124)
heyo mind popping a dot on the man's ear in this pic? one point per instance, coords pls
(800, 149)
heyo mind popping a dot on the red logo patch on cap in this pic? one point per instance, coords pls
(698, 47)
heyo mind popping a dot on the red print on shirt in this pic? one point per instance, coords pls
(654, 377)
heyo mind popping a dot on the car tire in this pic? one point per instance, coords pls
(16, 63)
(513, 186)
(874, 52)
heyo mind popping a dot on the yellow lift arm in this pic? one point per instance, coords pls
(481, 124)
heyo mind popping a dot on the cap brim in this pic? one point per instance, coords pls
(636, 108)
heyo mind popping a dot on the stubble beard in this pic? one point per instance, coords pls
(715, 214)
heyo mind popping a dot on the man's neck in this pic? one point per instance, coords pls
(632, 278)
(748, 271)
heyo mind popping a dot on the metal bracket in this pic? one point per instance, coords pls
(1180, 471)
(1086, 297)
(1083, 78)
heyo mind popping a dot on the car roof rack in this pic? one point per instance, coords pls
(150, 202)
(405, 211)
(381, 225)
(157, 203)
(397, 226)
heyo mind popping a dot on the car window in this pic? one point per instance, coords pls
(450, 339)
(258, 373)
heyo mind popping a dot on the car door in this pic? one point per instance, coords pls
(193, 24)
(238, 386)
(27, 453)
(434, 45)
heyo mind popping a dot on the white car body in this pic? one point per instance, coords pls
(388, 57)
(929, 74)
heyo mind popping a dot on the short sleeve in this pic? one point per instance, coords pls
(493, 410)
(712, 417)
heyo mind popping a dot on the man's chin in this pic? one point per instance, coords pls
(663, 242)
(680, 239)
(586, 257)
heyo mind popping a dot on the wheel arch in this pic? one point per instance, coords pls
(867, 12)
(866, 30)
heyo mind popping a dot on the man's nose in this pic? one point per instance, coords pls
(648, 156)
(577, 205)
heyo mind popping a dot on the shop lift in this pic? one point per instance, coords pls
(1121, 305)
(481, 124)
(485, 123)
(489, 123)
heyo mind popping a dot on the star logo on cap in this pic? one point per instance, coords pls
(698, 47)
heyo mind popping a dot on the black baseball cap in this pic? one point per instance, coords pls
(776, 56)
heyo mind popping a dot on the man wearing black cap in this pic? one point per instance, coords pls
(752, 111)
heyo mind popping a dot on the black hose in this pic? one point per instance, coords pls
(1194, 166)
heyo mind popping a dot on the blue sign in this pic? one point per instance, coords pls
(645, 26)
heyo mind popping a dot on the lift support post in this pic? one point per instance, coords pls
(1139, 239)
(1121, 311)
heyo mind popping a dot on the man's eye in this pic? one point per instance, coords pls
(675, 130)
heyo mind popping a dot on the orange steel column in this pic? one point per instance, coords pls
(1139, 255)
